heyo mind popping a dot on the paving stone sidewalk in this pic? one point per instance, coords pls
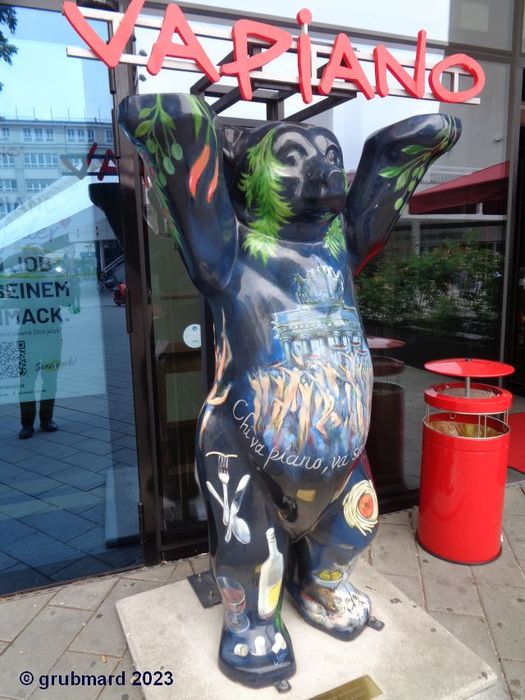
(75, 627)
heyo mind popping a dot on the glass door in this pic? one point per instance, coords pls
(180, 384)
(68, 467)
(518, 321)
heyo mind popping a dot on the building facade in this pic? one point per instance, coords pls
(35, 153)
(114, 486)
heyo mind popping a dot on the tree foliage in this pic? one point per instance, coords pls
(452, 288)
(7, 50)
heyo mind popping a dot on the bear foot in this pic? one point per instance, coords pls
(342, 612)
(258, 656)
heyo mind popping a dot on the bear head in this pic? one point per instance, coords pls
(291, 172)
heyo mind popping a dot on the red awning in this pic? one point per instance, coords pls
(486, 185)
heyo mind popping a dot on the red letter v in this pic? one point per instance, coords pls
(109, 53)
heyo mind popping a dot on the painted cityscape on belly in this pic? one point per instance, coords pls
(319, 394)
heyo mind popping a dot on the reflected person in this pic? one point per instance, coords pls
(43, 289)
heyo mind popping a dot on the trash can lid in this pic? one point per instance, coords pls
(469, 367)
(483, 399)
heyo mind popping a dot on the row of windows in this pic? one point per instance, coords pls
(37, 134)
(7, 185)
(8, 207)
(80, 135)
(37, 185)
(37, 160)
(41, 135)
(7, 160)
(40, 160)
(31, 160)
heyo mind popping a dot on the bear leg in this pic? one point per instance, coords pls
(324, 558)
(255, 647)
(249, 554)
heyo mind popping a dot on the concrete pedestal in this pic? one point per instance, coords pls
(413, 657)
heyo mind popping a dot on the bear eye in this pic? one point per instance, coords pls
(289, 158)
(332, 156)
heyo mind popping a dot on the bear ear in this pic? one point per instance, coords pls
(231, 136)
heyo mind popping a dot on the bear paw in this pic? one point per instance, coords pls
(342, 612)
(258, 656)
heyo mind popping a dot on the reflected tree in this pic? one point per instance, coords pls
(453, 288)
(7, 50)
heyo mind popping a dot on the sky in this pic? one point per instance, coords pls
(54, 83)
(395, 16)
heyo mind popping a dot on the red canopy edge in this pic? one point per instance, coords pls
(486, 185)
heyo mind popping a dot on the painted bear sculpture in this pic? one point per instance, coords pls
(272, 235)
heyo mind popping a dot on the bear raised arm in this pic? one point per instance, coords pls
(272, 235)
(177, 139)
(393, 162)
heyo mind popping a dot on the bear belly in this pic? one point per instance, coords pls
(308, 420)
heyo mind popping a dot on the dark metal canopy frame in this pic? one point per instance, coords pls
(123, 81)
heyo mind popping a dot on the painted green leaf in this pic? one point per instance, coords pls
(168, 166)
(258, 244)
(402, 180)
(151, 146)
(197, 120)
(398, 203)
(196, 112)
(390, 172)
(262, 187)
(210, 132)
(176, 151)
(162, 179)
(145, 112)
(414, 149)
(166, 119)
(142, 129)
(334, 239)
(442, 132)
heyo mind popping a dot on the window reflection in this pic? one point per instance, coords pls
(436, 289)
(68, 477)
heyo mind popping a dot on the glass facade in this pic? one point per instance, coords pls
(68, 475)
(449, 283)
(517, 324)
(436, 289)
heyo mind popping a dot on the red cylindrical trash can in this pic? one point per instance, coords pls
(464, 464)
(462, 490)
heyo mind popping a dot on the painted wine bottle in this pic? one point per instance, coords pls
(271, 577)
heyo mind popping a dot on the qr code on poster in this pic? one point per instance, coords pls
(13, 359)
